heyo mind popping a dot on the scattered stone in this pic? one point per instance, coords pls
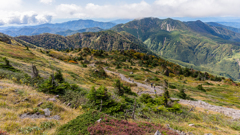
(47, 112)
(98, 121)
(69, 104)
(39, 104)
(191, 125)
(32, 116)
(86, 61)
(55, 117)
(234, 113)
(26, 99)
(157, 133)
(1, 87)
(52, 99)
(17, 102)
(38, 116)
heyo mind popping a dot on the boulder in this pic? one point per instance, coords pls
(52, 99)
(131, 73)
(69, 104)
(39, 104)
(191, 125)
(47, 112)
(146, 80)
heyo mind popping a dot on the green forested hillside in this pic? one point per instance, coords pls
(105, 40)
(195, 43)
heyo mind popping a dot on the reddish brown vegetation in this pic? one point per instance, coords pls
(3, 132)
(121, 127)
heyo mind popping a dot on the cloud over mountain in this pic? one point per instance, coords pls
(163, 8)
(26, 18)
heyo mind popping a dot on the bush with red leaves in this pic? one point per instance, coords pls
(3, 132)
(121, 127)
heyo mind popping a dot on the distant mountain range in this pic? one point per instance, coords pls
(71, 32)
(194, 43)
(204, 46)
(104, 40)
(77, 25)
(224, 26)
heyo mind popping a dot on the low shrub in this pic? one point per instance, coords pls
(200, 87)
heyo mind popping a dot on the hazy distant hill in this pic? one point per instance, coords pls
(71, 32)
(231, 24)
(58, 27)
(224, 26)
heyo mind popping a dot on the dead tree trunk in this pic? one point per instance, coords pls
(35, 72)
(101, 106)
(134, 108)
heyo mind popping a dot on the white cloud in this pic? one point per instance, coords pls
(47, 1)
(159, 8)
(69, 8)
(10, 4)
(25, 18)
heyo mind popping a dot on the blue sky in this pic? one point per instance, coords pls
(30, 12)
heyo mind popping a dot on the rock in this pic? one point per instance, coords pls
(57, 96)
(190, 133)
(69, 104)
(131, 73)
(146, 80)
(191, 125)
(26, 99)
(55, 117)
(32, 116)
(52, 99)
(208, 134)
(47, 112)
(39, 104)
(98, 121)
(17, 102)
(37, 113)
(157, 133)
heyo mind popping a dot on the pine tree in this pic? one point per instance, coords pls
(119, 86)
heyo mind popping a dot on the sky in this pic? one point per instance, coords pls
(31, 12)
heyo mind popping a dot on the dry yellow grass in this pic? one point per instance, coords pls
(10, 111)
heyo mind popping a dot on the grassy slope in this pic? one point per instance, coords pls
(217, 94)
(224, 94)
(10, 93)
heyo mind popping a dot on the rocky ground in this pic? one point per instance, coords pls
(234, 113)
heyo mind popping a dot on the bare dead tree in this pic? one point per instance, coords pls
(134, 108)
(35, 72)
(101, 106)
